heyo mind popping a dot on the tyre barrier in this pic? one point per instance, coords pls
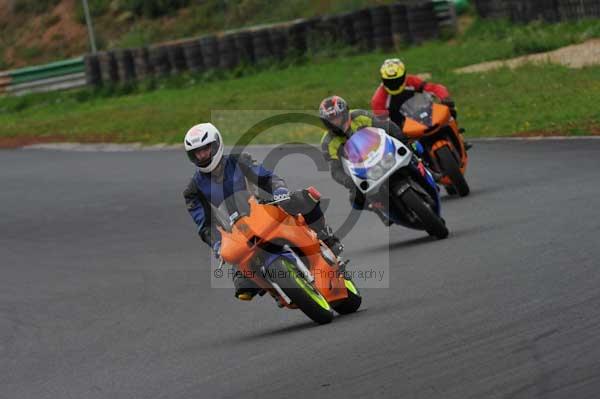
(125, 65)
(399, 24)
(192, 51)
(93, 76)
(159, 58)
(346, 29)
(243, 45)
(363, 29)
(422, 22)
(382, 28)
(228, 58)
(210, 52)
(108, 67)
(142, 64)
(314, 38)
(492, 8)
(278, 40)
(298, 38)
(325, 31)
(261, 45)
(176, 58)
(576, 9)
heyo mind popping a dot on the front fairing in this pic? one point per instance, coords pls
(423, 116)
(371, 156)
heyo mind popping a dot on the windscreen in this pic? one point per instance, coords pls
(361, 144)
(233, 208)
(419, 108)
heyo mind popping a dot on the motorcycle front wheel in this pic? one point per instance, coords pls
(433, 224)
(450, 168)
(303, 294)
(352, 302)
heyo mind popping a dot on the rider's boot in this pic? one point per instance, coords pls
(245, 289)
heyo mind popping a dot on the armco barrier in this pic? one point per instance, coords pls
(54, 76)
(381, 27)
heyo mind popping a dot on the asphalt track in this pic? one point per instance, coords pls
(105, 290)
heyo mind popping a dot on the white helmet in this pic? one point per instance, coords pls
(200, 136)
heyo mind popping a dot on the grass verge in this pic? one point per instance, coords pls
(504, 102)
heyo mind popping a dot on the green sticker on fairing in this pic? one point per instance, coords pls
(351, 287)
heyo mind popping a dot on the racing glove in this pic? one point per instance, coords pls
(450, 104)
(217, 249)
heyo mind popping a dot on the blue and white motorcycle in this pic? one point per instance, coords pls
(386, 171)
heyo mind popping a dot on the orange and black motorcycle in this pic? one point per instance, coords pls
(438, 133)
(284, 257)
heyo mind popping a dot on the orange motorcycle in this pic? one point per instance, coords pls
(438, 133)
(284, 257)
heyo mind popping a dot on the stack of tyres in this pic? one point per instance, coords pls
(493, 8)
(399, 24)
(125, 65)
(314, 41)
(326, 32)
(261, 45)
(176, 58)
(108, 67)
(346, 29)
(363, 29)
(422, 22)
(192, 51)
(141, 60)
(228, 57)
(92, 70)
(573, 10)
(591, 8)
(382, 28)
(210, 52)
(278, 40)
(243, 45)
(298, 38)
(159, 58)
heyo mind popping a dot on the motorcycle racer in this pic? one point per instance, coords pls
(397, 86)
(218, 176)
(341, 123)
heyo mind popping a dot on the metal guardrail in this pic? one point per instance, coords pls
(42, 78)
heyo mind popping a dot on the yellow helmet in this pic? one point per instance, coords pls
(393, 75)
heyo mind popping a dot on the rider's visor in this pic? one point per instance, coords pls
(205, 153)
